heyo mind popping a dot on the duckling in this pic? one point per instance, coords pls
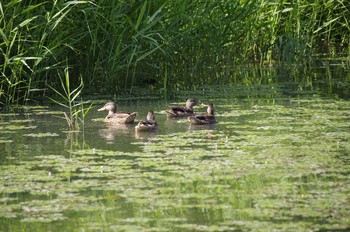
(182, 111)
(148, 125)
(117, 117)
(202, 119)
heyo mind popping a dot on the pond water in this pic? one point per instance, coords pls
(277, 160)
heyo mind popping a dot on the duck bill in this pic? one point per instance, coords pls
(102, 109)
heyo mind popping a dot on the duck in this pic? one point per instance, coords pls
(117, 117)
(148, 125)
(182, 111)
(203, 119)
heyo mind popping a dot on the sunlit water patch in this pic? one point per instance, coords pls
(280, 164)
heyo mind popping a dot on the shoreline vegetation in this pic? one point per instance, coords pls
(116, 46)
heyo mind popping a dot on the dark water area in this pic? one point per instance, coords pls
(277, 160)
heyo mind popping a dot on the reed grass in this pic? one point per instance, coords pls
(116, 45)
(68, 98)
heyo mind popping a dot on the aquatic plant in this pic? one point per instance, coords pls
(34, 43)
(117, 45)
(68, 99)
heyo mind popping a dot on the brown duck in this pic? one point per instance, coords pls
(117, 117)
(182, 111)
(202, 119)
(149, 124)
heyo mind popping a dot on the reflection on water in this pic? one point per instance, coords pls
(145, 135)
(111, 132)
(277, 160)
(201, 127)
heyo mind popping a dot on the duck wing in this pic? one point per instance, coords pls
(146, 125)
(201, 119)
(179, 111)
(122, 117)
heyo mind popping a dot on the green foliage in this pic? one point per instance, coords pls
(162, 45)
(68, 99)
(35, 41)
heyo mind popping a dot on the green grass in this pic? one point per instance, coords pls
(162, 45)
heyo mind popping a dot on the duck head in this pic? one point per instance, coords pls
(191, 102)
(110, 107)
(151, 116)
(210, 109)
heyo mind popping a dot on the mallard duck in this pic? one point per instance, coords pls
(148, 125)
(182, 111)
(117, 117)
(202, 119)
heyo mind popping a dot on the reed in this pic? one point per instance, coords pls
(68, 98)
(116, 45)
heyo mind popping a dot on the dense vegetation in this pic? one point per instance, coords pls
(116, 45)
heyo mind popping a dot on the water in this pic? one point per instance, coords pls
(278, 159)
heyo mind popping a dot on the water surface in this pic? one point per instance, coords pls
(278, 159)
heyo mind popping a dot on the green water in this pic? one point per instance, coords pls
(277, 160)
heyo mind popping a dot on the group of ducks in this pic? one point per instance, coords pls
(172, 112)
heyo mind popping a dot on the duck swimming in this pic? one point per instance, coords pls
(182, 111)
(148, 125)
(117, 117)
(202, 119)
